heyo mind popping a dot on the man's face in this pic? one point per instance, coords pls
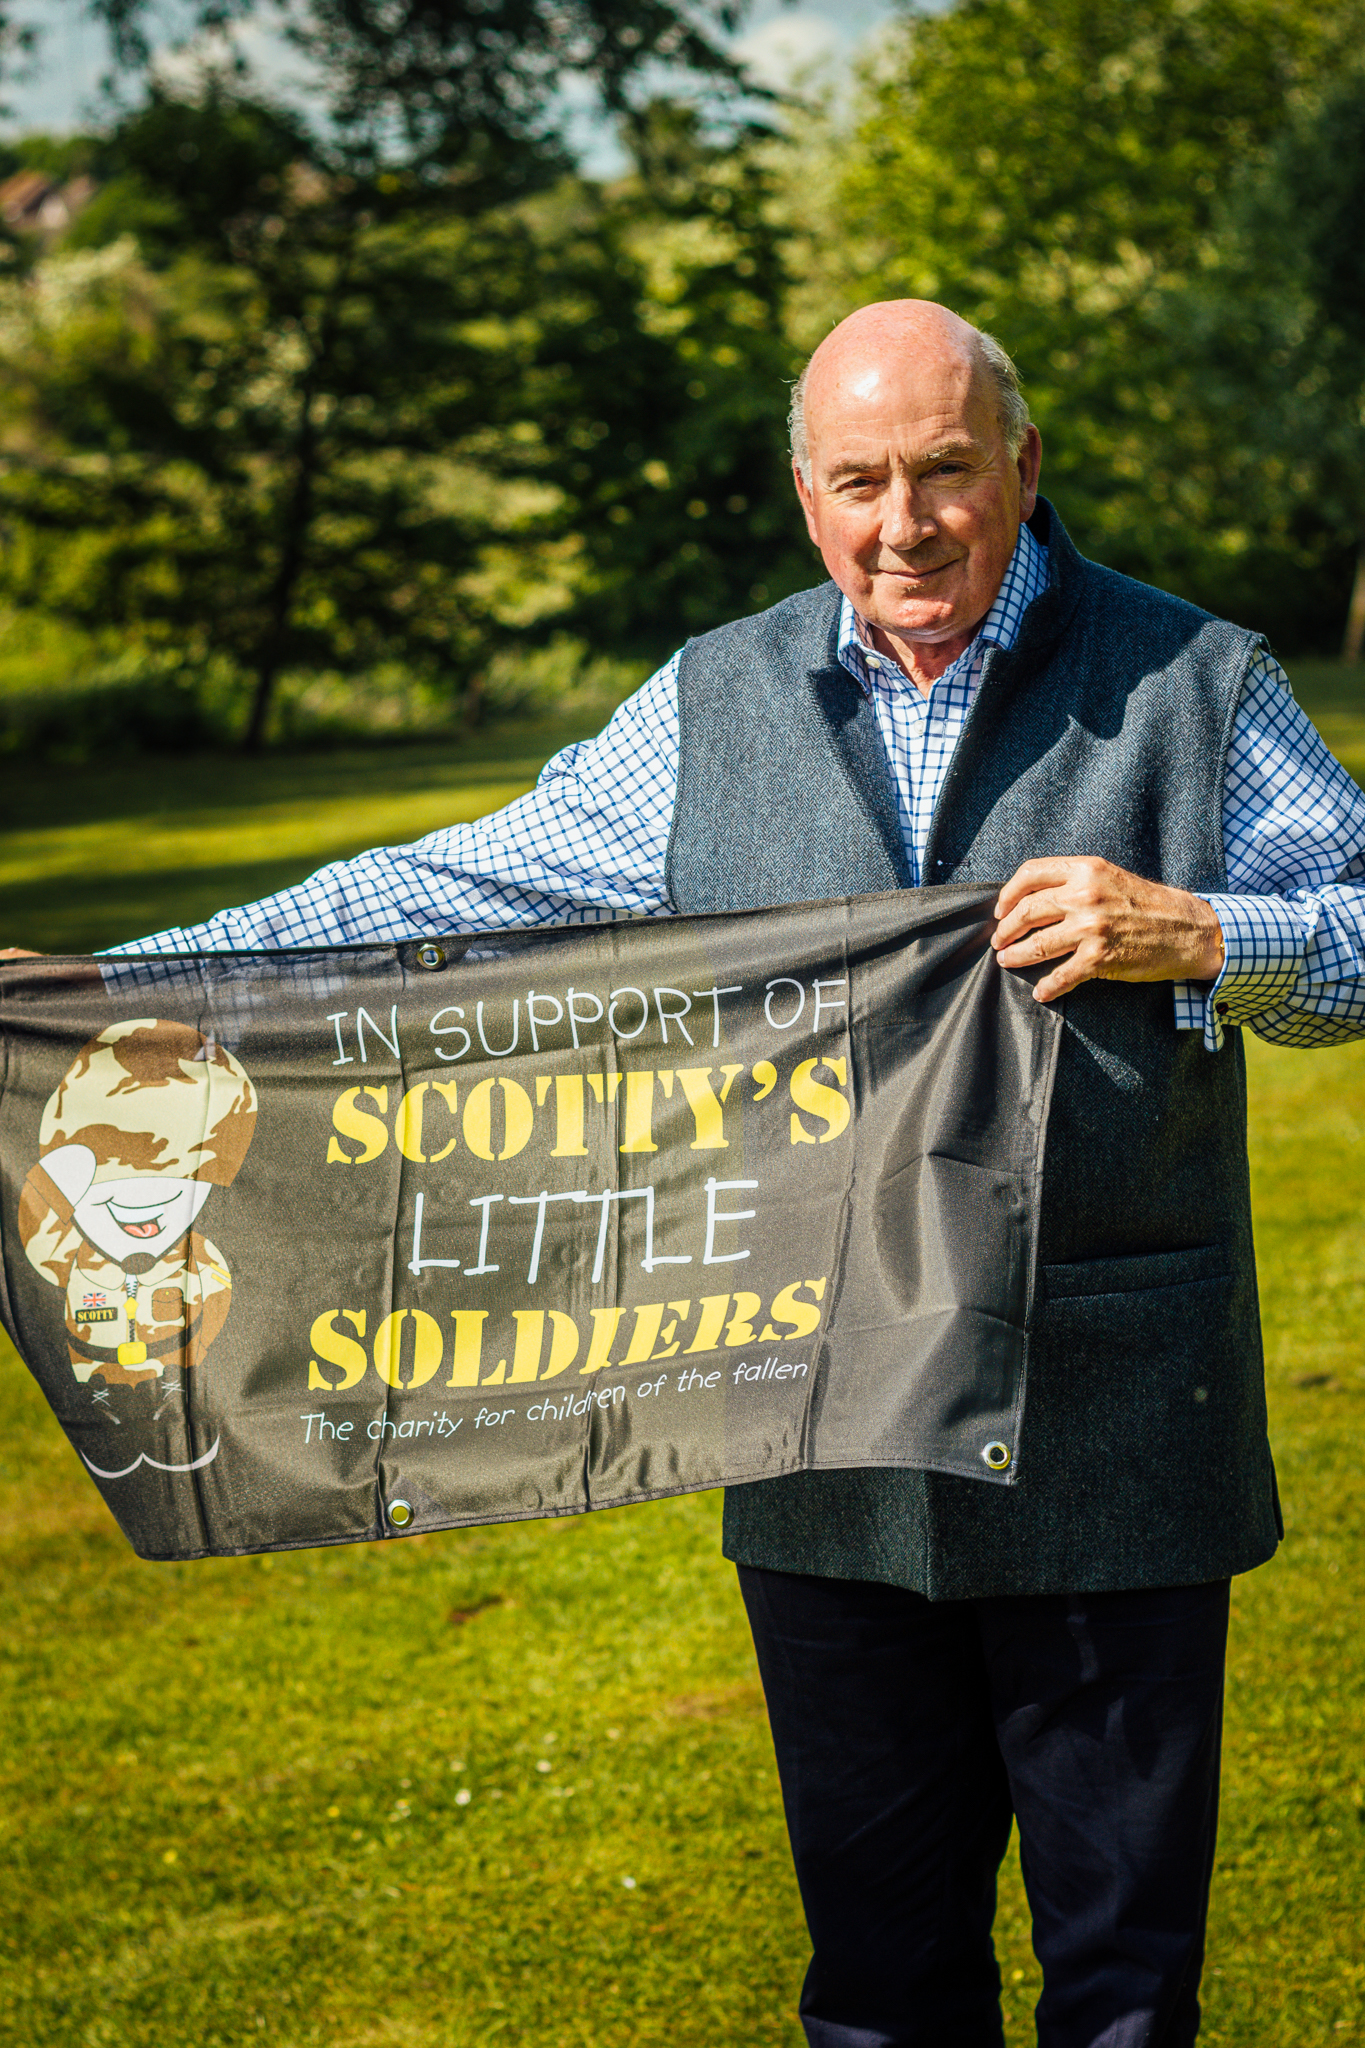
(914, 501)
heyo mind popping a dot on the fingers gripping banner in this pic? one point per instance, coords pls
(315, 1247)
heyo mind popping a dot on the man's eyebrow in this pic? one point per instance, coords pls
(848, 467)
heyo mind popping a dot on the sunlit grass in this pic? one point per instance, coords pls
(235, 1802)
(96, 854)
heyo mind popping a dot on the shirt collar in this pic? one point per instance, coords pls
(1024, 580)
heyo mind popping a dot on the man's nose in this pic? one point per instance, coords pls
(907, 521)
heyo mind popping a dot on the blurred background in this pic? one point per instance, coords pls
(371, 368)
(385, 386)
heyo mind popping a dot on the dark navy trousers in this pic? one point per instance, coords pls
(911, 1733)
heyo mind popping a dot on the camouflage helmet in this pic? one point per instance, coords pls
(154, 1097)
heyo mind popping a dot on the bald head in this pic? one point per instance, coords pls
(915, 463)
(907, 335)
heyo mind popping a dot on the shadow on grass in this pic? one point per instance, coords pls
(200, 785)
(84, 913)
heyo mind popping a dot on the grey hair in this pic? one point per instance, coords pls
(1013, 406)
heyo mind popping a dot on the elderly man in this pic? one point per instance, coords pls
(968, 700)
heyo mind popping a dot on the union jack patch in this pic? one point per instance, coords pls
(94, 1301)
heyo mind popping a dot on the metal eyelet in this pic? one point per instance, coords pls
(996, 1456)
(430, 956)
(399, 1513)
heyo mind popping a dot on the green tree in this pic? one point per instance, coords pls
(662, 371)
(1054, 169)
(230, 433)
(278, 431)
(1276, 323)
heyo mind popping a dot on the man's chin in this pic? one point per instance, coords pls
(935, 599)
(924, 619)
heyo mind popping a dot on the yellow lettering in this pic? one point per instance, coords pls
(639, 1111)
(569, 1136)
(447, 1090)
(803, 1316)
(605, 1323)
(468, 1353)
(645, 1334)
(518, 1119)
(426, 1347)
(765, 1073)
(741, 1329)
(334, 1347)
(531, 1336)
(827, 1103)
(563, 1344)
(361, 1124)
(706, 1111)
(668, 1336)
(714, 1309)
(407, 1125)
(530, 1324)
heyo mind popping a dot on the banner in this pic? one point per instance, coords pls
(319, 1246)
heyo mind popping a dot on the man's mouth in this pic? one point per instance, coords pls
(140, 1229)
(913, 576)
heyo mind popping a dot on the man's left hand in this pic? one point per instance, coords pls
(1102, 924)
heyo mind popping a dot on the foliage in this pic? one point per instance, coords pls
(660, 380)
(1275, 320)
(438, 81)
(18, 40)
(1082, 190)
(237, 424)
(287, 414)
(142, 702)
(236, 1804)
(355, 403)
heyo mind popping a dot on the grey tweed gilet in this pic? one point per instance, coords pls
(1143, 1459)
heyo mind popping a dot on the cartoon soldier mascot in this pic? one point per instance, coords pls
(150, 1117)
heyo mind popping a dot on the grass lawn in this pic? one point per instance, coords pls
(514, 1784)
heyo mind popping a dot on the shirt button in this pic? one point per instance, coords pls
(1220, 1009)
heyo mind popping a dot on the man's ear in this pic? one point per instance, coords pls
(1030, 461)
(807, 497)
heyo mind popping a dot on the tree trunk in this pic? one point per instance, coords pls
(1355, 618)
(298, 519)
(473, 702)
(280, 603)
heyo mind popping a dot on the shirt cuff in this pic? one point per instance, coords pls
(1264, 941)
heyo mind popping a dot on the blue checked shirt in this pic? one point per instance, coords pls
(589, 842)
